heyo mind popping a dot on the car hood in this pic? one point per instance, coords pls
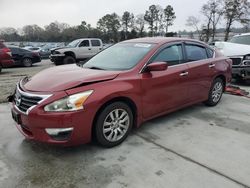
(65, 77)
(233, 49)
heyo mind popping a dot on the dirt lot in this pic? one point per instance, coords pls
(192, 148)
(9, 77)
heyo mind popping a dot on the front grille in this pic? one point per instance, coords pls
(25, 101)
(236, 61)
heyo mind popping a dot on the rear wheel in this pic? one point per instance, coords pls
(27, 62)
(113, 124)
(69, 60)
(215, 93)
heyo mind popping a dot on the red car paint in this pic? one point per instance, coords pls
(151, 93)
(5, 56)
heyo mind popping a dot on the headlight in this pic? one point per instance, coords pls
(247, 57)
(70, 103)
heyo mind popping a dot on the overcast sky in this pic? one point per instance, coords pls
(17, 13)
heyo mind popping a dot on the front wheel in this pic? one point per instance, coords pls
(113, 124)
(215, 92)
(69, 60)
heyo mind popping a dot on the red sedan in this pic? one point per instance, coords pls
(118, 89)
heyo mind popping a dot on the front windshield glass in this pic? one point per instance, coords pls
(73, 43)
(241, 39)
(122, 56)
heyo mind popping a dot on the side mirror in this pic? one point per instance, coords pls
(157, 66)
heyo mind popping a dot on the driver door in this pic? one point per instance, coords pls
(165, 90)
(84, 49)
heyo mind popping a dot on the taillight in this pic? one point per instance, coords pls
(7, 51)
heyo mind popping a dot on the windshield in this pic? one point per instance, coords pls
(122, 56)
(241, 39)
(73, 43)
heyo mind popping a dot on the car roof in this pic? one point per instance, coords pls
(162, 40)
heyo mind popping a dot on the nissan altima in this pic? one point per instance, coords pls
(117, 90)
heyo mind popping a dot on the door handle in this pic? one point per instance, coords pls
(211, 66)
(89, 48)
(184, 74)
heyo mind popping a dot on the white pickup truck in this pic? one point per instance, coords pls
(238, 49)
(77, 50)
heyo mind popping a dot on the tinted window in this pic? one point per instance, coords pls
(210, 53)
(172, 55)
(84, 43)
(245, 39)
(95, 43)
(15, 50)
(195, 53)
(122, 56)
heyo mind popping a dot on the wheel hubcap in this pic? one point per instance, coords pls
(217, 92)
(116, 125)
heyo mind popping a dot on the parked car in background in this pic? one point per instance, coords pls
(45, 51)
(119, 88)
(5, 56)
(24, 57)
(80, 49)
(238, 49)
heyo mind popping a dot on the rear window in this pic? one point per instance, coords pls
(95, 43)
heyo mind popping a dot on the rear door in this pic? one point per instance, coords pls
(201, 70)
(165, 90)
(96, 46)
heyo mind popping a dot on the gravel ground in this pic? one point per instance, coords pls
(9, 77)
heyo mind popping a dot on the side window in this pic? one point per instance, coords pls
(14, 50)
(195, 53)
(210, 53)
(95, 43)
(84, 43)
(172, 55)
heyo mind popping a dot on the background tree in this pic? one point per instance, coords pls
(151, 16)
(194, 22)
(127, 22)
(235, 11)
(213, 11)
(169, 17)
(109, 25)
(140, 25)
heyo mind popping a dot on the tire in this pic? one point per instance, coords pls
(27, 62)
(110, 129)
(57, 63)
(1, 68)
(69, 60)
(215, 92)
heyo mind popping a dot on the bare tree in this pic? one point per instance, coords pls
(213, 10)
(235, 11)
(194, 22)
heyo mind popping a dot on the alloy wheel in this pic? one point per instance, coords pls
(116, 125)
